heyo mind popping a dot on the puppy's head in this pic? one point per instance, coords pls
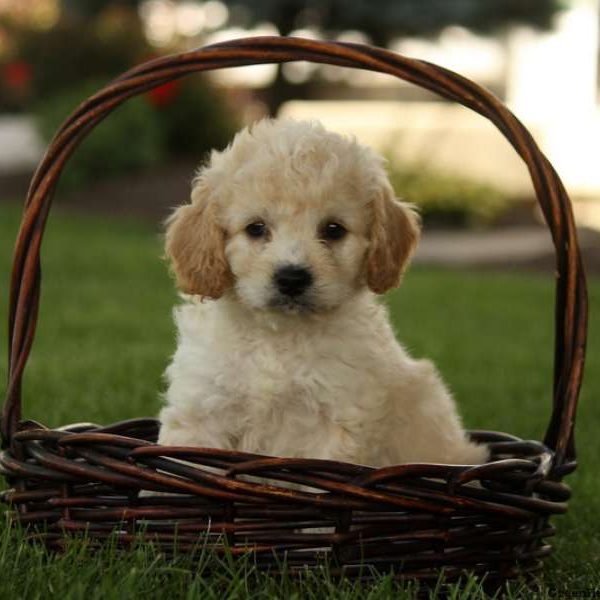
(293, 218)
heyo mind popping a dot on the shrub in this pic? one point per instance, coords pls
(15, 85)
(181, 118)
(130, 138)
(193, 116)
(75, 51)
(448, 199)
(64, 65)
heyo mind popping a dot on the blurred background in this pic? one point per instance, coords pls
(539, 56)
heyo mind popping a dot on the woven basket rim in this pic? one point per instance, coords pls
(525, 463)
(413, 520)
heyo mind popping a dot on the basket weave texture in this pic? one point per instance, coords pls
(414, 519)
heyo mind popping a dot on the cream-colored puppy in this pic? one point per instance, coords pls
(283, 347)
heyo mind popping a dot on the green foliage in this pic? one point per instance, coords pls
(130, 138)
(75, 51)
(384, 19)
(92, 8)
(447, 199)
(186, 118)
(197, 120)
(94, 42)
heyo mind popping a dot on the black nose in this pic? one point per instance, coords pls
(292, 281)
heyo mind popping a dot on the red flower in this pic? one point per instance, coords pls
(164, 94)
(17, 74)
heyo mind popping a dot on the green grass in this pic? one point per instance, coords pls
(105, 337)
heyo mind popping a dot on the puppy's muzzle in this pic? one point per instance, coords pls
(291, 280)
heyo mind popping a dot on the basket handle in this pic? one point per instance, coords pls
(571, 295)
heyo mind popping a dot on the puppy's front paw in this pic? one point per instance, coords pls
(472, 454)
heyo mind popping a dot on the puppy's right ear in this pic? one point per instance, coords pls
(195, 245)
(394, 234)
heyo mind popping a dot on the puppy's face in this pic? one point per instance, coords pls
(296, 250)
(291, 218)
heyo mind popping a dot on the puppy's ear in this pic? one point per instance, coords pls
(395, 231)
(195, 245)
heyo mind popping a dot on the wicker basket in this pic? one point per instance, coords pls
(415, 519)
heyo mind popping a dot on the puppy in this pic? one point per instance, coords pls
(283, 348)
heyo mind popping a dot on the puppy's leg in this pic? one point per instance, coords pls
(180, 428)
(429, 428)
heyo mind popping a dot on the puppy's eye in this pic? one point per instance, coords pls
(333, 231)
(257, 229)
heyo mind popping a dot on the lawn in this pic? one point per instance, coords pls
(105, 337)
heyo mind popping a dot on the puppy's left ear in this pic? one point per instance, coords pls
(195, 245)
(395, 231)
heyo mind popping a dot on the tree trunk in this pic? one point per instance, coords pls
(281, 89)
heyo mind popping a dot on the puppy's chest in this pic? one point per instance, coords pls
(295, 375)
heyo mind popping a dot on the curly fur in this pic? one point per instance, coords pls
(319, 375)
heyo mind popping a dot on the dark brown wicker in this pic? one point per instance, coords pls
(415, 519)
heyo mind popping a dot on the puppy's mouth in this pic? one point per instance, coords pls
(291, 305)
